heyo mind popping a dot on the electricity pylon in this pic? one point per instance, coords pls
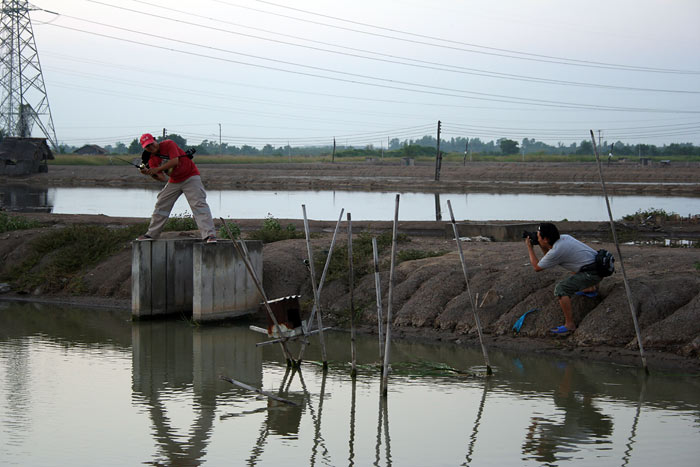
(24, 101)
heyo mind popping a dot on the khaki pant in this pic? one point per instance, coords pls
(197, 199)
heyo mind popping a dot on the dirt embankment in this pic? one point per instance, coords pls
(679, 179)
(430, 299)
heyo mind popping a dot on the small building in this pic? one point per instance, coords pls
(24, 156)
(90, 149)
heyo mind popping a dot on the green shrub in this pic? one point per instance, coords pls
(8, 223)
(233, 227)
(653, 213)
(180, 223)
(272, 231)
(63, 254)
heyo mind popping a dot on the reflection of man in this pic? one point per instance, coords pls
(184, 178)
(569, 253)
(583, 423)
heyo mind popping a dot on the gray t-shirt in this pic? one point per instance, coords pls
(568, 253)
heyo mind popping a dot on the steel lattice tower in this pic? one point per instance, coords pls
(24, 100)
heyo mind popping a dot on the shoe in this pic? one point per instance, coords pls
(560, 330)
(210, 239)
(587, 294)
(144, 238)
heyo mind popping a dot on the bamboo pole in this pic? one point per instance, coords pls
(317, 292)
(351, 281)
(628, 290)
(377, 287)
(385, 370)
(469, 293)
(243, 252)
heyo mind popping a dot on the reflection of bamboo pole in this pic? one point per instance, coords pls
(351, 456)
(378, 445)
(258, 391)
(469, 293)
(318, 437)
(243, 252)
(378, 289)
(630, 300)
(351, 281)
(317, 306)
(633, 434)
(385, 371)
(475, 430)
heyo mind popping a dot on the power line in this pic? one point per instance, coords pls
(526, 55)
(423, 64)
(442, 91)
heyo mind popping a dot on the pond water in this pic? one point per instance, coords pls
(326, 205)
(85, 387)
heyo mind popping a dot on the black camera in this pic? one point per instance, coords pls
(532, 236)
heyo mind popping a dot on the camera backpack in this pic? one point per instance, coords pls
(605, 263)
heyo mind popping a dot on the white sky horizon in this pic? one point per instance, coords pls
(307, 71)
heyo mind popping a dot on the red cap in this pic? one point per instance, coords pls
(146, 139)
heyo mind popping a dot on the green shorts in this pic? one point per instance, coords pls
(575, 283)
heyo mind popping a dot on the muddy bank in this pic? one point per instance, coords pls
(430, 299)
(678, 179)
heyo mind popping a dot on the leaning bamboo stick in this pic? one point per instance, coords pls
(385, 370)
(469, 292)
(317, 298)
(351, 280)
(630, 300)
(317, 305)
(242, 251)
(378, 289)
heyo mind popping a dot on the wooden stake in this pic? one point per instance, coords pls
(243, 252)
(351, 281)
(385, 370)
(317, 292)
(469, 293)
(377, 287)
(630, 300)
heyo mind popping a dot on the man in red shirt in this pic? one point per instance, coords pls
(184, 178)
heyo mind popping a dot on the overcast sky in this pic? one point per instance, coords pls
(363, 71)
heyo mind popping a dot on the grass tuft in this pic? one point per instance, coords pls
(9, 223)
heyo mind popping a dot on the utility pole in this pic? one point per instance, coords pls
(289, 152)
(220, 148)
(599, 140)
(438, 156)
(466, 150)
(333, 157)
(24, 101)
(164, 131)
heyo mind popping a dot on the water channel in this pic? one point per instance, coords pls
(85, 387)
(326, 205)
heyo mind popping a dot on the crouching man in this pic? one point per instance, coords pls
(571, 254)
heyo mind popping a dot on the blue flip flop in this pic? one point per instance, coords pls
(587, 294)
(560, 330)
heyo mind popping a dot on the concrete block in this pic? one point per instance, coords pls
(161, 277)
(222, 285)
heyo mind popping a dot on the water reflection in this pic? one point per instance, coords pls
(171, 358)
(77, 385)
(24, 198)
(576, 422)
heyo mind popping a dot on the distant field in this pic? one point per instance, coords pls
(75, 159)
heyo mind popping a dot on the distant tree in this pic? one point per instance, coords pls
(120, 148)
(179, 140)
(586, 147)
(135, 147)
(508, 146)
